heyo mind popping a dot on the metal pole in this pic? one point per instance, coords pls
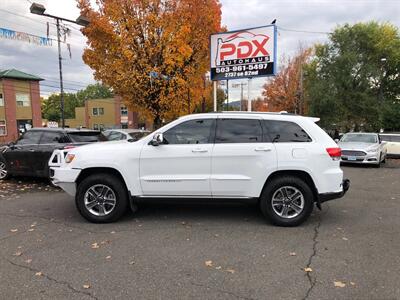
(215, 94)
(241, 96)
(248, 95)
(60, 70)
(227, 94)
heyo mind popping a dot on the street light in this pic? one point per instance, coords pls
(39, 9)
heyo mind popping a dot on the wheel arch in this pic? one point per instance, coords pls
(303, 175)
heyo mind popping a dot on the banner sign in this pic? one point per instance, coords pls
(244, 53)
(25, 37)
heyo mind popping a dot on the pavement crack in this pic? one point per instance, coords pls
(67, 284)
(310, 278)
(222, 291)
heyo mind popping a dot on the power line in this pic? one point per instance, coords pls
(304, 31)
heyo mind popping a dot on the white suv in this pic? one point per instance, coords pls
(286, 163)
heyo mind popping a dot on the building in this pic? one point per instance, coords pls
(105, 114)
(19, 103)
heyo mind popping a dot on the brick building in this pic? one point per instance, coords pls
(19, 103)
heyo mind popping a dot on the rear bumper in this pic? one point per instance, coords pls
(331, 196)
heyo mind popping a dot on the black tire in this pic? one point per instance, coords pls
(273, 186)
(112, 182)
(3, 166)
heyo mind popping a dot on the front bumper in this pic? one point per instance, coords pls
(331, 196)
(65, 178)
(368, 158)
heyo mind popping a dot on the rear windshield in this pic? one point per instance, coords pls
(86, 137)
(391, 138)
(138, 135)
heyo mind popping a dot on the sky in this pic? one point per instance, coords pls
(300, 22)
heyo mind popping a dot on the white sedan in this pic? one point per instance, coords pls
(392, 143)
(363, 148)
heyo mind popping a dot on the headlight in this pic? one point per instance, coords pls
(373, 150)
(69, 158)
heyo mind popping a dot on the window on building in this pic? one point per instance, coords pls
(1, 100)
(3, 128)
(101, 111)
(190, 132)
(124, 111)
(101, 126)
(96, 126)
(22, 99)
(95, 111)
(285, 132)
(238, 131)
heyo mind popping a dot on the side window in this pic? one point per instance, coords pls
(50, 137)
(285, 132)
(115, 136)
(190, 132)
(238, 131)
(30, 137)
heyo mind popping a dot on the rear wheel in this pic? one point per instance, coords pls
(287, 201)
(102, 198)
(3, 170)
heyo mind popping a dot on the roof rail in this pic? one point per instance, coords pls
(257, 112)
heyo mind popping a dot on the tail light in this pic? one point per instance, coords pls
(334, 153)
(69, 147)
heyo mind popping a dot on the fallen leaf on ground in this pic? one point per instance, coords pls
(108, 257)
(345, 238)
(33, 224)
(208, 263)
(28, 261)
(31, 229)
(86, 286)
(112, 232)
(18, 253)
(308, 269)
(38, 273)
(292, 253)
(352, 283)
(218, 268)
(132, 263)
(14, 230)
(230, 271)
(95, 246)
(339, 284)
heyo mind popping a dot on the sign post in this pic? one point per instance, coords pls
(245, 53)
(215, 94)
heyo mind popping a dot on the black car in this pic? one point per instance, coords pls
(30, 154)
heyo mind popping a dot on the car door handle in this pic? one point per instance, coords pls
(265, 149)
(199, 150)
(31, 150)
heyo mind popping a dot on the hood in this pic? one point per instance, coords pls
(356, 145)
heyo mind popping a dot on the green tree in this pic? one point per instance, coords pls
(352, 82)
(94, 91)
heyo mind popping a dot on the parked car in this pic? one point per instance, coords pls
(362, 148)
(283, 162)
(125, 134)
(392, 144)
(30, 154)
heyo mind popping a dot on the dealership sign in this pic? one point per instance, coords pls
(244, 53)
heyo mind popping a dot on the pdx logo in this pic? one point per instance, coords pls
(242, 46)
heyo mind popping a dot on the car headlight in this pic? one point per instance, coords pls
(373, 150)
(70, 157)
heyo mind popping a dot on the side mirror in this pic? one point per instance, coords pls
(336, 141)
(157, 139)
(11, 145)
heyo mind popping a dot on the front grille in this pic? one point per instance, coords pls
(353, 153)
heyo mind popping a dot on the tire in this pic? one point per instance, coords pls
(113, 204)
(4, 174)
(274, 190)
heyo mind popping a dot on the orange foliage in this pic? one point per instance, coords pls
(153, 53)
(284, 92)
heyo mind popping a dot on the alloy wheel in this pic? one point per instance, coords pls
(3, 170)
(100, 200)
(288, 202)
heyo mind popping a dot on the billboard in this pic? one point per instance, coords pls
(243, 53)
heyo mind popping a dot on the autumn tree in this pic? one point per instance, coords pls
(153, 53)
(284, 91)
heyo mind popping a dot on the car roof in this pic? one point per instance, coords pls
(66, 130)
(128, 130)
(362, 133)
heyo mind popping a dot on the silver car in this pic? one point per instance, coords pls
(362, 148)
(125, 134)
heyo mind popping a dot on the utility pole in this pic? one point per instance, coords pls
(39, 9)
(241, 85)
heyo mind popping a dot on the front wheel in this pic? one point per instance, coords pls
(287, 201)
(102, 198)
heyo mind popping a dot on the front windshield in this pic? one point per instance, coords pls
(359, 138)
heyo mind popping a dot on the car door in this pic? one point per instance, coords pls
(242, 158)
(49, 141)
(22, 155)
(181, 166)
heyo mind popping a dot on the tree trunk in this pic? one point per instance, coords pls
(157, 122)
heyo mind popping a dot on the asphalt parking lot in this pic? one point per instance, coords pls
(349, 250)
